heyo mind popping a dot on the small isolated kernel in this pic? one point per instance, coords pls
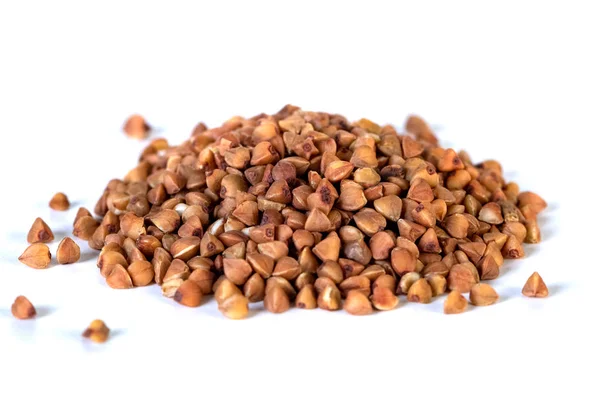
(40, 232)
(59, 202)
(22, 308)
(535, 286)
(36, 256)
(136, 127)
(97, 332)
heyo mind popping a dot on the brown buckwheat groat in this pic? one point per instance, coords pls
(535, 286)
(22, 308)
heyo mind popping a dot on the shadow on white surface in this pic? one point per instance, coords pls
(556, 289)
(87, 256)
(93, 347)
(44, 311)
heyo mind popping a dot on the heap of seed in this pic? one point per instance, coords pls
(307, 209)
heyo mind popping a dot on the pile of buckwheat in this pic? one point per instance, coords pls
(306, 209)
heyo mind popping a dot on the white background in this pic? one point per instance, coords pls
(517, 82)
